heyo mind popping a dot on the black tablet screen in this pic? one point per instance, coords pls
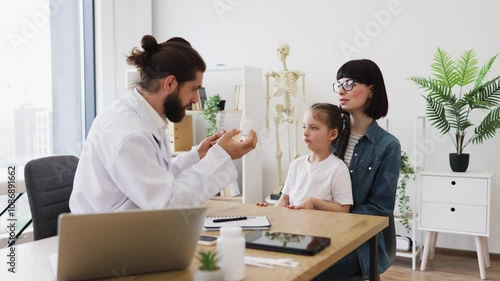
(286, 242)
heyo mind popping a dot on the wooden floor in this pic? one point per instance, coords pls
(449, 265)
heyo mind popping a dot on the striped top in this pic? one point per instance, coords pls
(353, 140)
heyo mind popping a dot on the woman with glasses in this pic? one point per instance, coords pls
(373, 157)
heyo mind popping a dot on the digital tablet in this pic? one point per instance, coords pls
(286, 242)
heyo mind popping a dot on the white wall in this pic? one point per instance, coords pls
(120, 25)
(402, 38)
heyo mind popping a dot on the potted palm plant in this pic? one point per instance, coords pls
(456, 88)
(208, 270)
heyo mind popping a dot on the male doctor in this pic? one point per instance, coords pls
(126, 161)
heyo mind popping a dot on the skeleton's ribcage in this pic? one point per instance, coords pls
(285, 84)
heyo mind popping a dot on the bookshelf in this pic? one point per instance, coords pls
(226, 81)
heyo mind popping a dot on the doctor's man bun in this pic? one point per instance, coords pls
(178, 40)
(149, 44)
(138, 57)
(155, 61)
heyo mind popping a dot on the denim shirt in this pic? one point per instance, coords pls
(374, 169)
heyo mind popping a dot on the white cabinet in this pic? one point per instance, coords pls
(455, 203)
(223, 81)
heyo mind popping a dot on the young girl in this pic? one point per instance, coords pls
(321, 179)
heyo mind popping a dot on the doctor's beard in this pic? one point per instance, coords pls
(174, 110)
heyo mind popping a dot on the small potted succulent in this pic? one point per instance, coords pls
(208, 270)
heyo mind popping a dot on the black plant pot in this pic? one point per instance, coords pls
(459, 162)
(222, 104)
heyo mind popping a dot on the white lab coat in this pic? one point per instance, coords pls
(125, 164)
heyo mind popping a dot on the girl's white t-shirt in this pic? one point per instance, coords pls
(328, 180)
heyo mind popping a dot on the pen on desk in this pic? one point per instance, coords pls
(230, 219)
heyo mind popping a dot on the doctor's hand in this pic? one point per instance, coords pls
(208, 142)
(237, 149)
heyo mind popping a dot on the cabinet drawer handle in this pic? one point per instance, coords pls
(453, 183)
(453, 209)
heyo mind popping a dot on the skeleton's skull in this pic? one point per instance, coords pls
(283, 51)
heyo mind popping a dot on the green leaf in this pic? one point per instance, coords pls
(405, 172)
(461, 103)
(485, 96)
(433, 87)
(488, 127)
(210, 110)
(436, 114)
(444, 69)
(458, 117)
(208, 260)
(466, 67)
(484, 70)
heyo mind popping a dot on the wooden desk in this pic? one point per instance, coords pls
(347, 231)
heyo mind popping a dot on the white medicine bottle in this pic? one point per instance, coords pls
(246, 124)
(231, 251)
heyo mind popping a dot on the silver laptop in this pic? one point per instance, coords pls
(126, 243)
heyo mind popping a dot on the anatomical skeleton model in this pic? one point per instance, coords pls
(284, 83)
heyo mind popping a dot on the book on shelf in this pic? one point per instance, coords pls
(238, 98)
(202, 97)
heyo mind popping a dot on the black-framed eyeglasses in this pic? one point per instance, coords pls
(347, 85)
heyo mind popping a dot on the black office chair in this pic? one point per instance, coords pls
(49, 182)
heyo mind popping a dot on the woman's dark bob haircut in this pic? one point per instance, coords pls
(366, 72)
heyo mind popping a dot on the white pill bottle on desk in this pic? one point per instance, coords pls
(231, 252)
